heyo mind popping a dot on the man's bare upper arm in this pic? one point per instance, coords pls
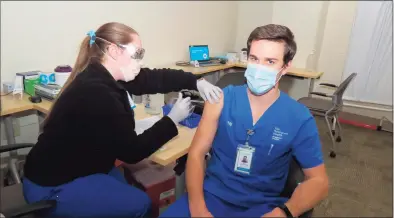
(316, 172)
(206, 129)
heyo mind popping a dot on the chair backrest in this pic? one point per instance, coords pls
(236, 78)
(337, 98)
(295, 176)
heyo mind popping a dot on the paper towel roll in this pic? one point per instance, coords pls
(61, 77)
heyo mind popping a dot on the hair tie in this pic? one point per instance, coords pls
(92, 35)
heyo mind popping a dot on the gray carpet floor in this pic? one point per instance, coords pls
(361, 175)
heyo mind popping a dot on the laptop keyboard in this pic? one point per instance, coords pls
(207, 64)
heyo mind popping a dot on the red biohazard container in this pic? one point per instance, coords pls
(156, 180)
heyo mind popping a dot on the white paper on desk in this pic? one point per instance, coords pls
(144, 124)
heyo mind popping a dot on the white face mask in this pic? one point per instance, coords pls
(132, 70)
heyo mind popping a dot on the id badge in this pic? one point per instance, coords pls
(243, 163)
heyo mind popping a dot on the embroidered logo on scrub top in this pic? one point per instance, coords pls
(229, 123)
(278, 135)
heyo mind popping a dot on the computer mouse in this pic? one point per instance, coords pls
(35, 99)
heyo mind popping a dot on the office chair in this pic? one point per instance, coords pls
(237, 78)
(13, 204)
(14, 170)
(329, 109)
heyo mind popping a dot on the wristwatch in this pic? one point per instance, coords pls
(286, 210)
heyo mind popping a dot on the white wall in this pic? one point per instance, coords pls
(323, 26)
(251, 14)
(317, 25)
(302, 17)
(42, 35)
(338, 27)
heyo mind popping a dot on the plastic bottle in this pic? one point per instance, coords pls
(153, 103)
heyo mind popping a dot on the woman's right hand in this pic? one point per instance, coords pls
(180, 109)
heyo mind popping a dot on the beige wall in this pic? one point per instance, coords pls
(321, 26)
(339, 22)
(42, 35)
(250, 15)
(302, 17)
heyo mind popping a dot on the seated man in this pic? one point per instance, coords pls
(252, 135)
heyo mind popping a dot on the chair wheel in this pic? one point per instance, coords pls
(339, 139)
(333, 132)
(333, 154)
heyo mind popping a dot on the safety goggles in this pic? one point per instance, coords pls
(136, 53)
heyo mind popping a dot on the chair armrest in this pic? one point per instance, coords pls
(329, 85)
(36, 207)
(7, 148)
(307, 214)
(180, 165)
(320, 94)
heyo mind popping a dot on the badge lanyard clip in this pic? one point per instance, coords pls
(249, 132)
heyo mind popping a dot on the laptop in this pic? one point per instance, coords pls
(200, 53)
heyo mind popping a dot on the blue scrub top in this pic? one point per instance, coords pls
(286, 129)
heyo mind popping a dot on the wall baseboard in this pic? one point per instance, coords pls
(368, 109)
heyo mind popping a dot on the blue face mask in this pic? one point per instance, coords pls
(260, 78)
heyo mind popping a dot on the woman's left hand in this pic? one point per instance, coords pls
(208, 91)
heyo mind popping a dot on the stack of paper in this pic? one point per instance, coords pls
(144, 124)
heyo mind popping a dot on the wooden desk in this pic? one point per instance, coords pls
(204, 70)
(298, 83)
(13, 104)
(173, 150)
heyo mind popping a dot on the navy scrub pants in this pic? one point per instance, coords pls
(216, 207)
(98, 195)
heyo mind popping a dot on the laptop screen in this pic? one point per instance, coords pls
(199, 52)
